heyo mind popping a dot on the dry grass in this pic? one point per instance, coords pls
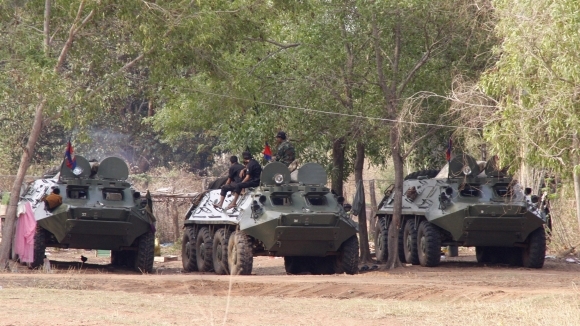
(565, 227)
(34, 305)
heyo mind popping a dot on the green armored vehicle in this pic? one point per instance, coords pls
(295, 218)
(468, 203)
(99, 210)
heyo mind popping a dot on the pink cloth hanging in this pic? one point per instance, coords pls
(24, 237)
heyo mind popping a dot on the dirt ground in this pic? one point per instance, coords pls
(459, 291)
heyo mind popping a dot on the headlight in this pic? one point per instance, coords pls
(77, 171)
(466, 170)
(278, 178)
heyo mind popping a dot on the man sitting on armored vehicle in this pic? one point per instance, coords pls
(286, 153)
(252, 178)
(53, 200)
(233, 179)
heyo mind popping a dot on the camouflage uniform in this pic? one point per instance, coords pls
(286, 153)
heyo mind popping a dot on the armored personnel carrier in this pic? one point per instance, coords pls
(468, 203)
(299, 219)
(99, 210)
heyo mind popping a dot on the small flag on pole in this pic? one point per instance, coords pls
(69, 157)
(267, 152)
(448, 152)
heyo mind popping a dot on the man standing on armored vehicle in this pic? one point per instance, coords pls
(252, 178)
(286, 153)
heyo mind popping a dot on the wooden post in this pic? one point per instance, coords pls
(175, 216)
(372, 219)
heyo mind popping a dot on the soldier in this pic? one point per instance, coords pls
(252, 178)
(234, 177)
(286, 153)
(53, 200)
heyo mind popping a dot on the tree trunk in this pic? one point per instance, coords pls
(576, 173)
(393, 236)
(372, 219)
(8, 229)
(175, 215)
(365, 253)
(338, 150)
(46, 27)
(150, 109)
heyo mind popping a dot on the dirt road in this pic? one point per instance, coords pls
(459, 291)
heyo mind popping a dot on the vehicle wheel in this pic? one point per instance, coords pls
(295, 265)
(534, 253)
(118, 257)
(347, 259)
(40, 236)
(220, 251)
(381, 236)
(482, 254)
(428, 244)
(410, 243)
(188, 258)
(452, 251)
(509, 255)
(145, 252)
(203, 250)
(401, 244)
(321, 265)
(240, 255)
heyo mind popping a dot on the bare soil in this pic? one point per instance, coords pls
(459, 291)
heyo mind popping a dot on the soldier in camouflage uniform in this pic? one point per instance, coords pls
(286, 153)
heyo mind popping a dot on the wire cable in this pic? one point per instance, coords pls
(336, 113)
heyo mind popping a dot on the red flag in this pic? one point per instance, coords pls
(69, 157)
(448, 152)
(267, 152)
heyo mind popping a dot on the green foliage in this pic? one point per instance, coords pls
(535, 82)
(208, 75)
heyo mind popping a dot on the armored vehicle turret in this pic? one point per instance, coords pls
(468, 203)
(99, 210)
(298, 219)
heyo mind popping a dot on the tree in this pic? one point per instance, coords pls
(407, 46)
(535, 83)
(68, 62)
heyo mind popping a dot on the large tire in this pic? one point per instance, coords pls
(188, 256)
(322, 265)
(203, 250)
(410, 243)
(220, 251)
(483, 254)
(296, 265)
(40, 237)
(428, 244)
(145, 252)
(348, 256)
(534, 254)
(120, 257)
(240, 254)
(381, 240)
